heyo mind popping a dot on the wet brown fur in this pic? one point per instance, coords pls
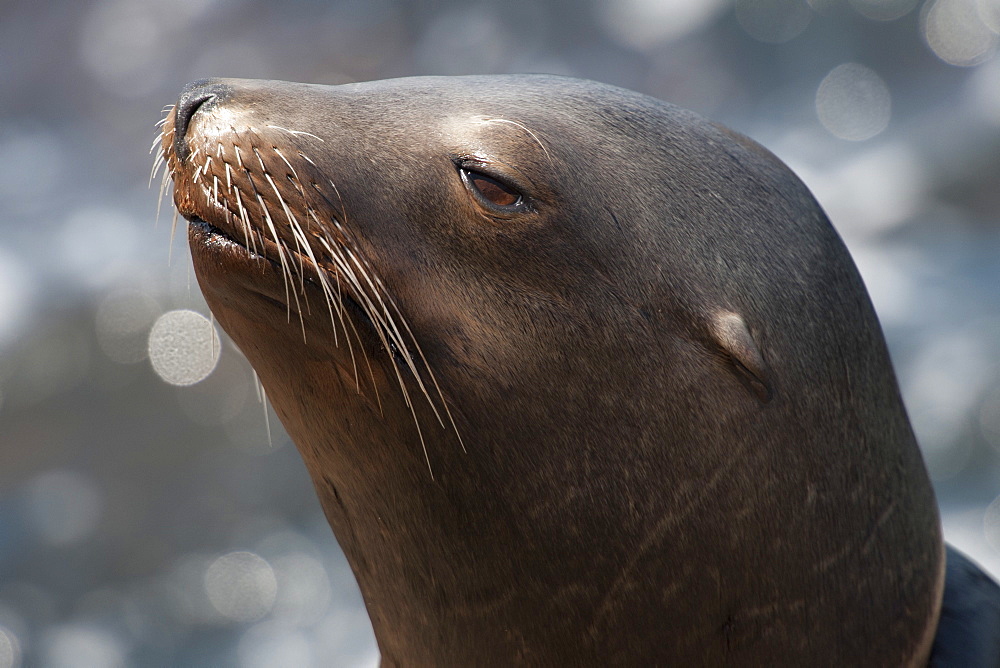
(650, 420)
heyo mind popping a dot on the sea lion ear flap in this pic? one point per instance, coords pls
(730, 333)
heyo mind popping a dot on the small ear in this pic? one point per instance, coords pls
(733, 338)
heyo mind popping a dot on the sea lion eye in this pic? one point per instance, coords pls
(491, 191)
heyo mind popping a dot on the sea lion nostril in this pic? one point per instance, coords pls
(195, 95)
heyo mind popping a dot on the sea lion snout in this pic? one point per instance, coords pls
(195, 96)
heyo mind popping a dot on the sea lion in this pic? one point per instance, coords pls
(580, 377)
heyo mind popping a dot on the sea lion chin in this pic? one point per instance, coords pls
(580, 378)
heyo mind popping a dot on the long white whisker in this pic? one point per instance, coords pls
(427, 366)
(295, 132)
(292, 222)
(262, 398)
(159, 200)
(397, 336)
(522, 126)
(382, 332)
(173, 232)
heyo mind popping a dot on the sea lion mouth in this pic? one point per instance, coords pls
(213, 234)
(207, 237)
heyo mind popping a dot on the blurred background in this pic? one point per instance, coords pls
(148, 516)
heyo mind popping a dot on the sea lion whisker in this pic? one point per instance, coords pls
(262, 398)
(341, 316)
(380, 329)
(395, 334)
(295, 132)
(364, 302)
(336, 256)
(216, 343)
(327, 291)
(382, 332)
(285, 271)
(294, 173)
(246, 217)
(284, 255)
(325, 287)
(292, 224)
(343, 210)
(260, 160)
(173, 233)
(166, 176)
(159, 200)
(157, 143)
(251, 239)
(524, 127)
(386, 329)
(303, 250)
(344, 322)
(430, 371)
(158, 162)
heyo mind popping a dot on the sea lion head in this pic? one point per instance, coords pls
(577, 374)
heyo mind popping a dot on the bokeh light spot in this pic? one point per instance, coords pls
(241, 586)
(10, 649)
(956, 33)
(853, 102)
(989, 12)
(184, 347)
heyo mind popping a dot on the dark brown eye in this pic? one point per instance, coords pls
(491, 190)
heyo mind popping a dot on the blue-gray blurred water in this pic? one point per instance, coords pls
(143, 523)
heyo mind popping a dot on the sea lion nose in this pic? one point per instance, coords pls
(194, 96)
